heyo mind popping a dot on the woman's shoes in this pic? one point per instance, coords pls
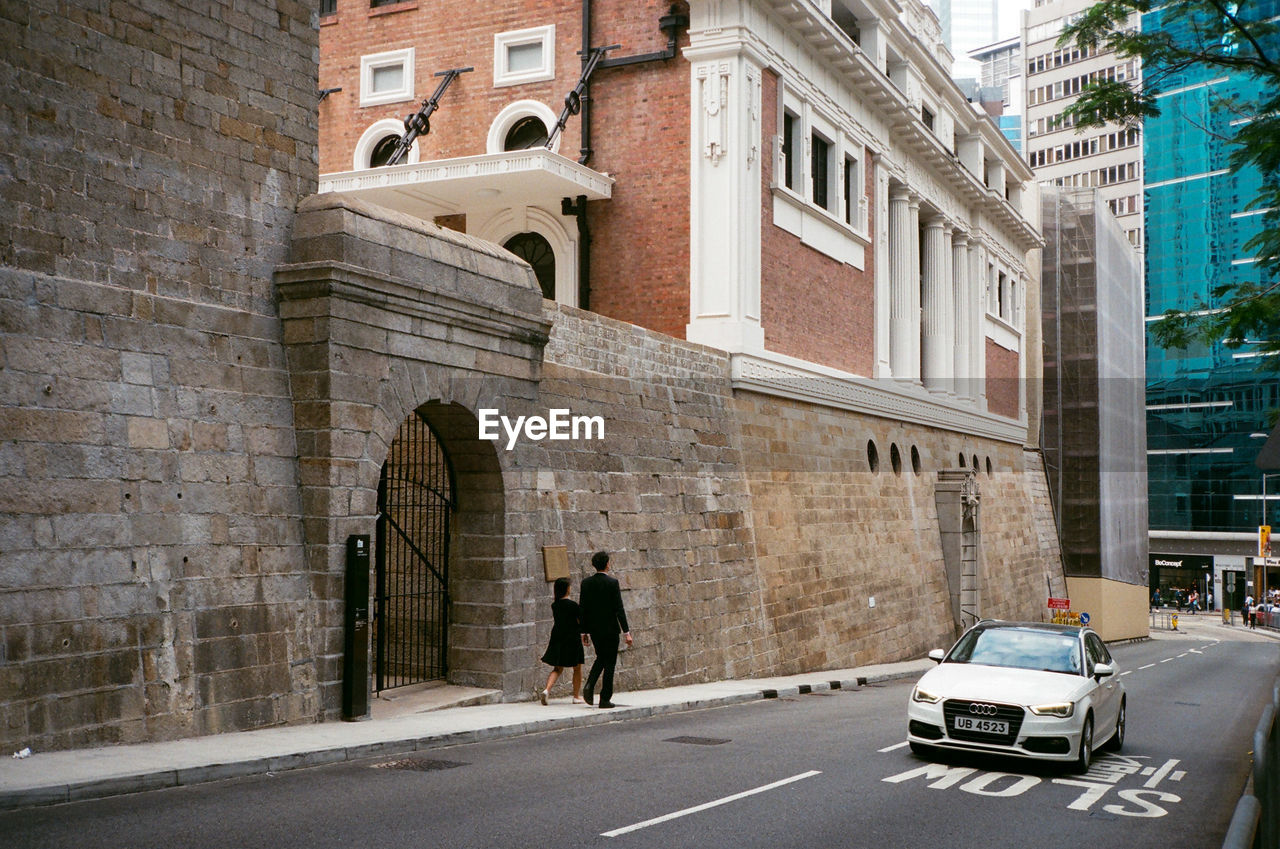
(542, 696)
(578, 701)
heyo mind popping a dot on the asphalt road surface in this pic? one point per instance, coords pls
(826, 769)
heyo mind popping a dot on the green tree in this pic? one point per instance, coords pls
(1237, 37)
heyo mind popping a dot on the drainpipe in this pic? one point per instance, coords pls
(670, 23)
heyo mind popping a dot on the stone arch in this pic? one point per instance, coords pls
(366, 348)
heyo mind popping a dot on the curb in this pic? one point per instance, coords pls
(166, 778)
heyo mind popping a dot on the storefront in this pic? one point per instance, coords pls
(1172, 574)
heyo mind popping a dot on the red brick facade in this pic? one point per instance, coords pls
(1003, 374)
(639, 115)
(812, 307)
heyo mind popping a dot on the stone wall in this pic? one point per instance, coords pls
(150, 571)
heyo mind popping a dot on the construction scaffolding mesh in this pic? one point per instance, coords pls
(1094, 426)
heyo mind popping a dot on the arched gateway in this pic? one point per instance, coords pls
(385, 392)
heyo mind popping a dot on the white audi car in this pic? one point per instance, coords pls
(1020, 688)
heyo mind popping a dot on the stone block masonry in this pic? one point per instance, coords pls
(201, 374)
(151, 583)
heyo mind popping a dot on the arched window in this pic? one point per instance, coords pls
(522, 125)
(382, 151)
(535, 250)
(377, 142)
(526, 134)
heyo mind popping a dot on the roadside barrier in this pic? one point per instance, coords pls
(1256, 822)
(1162, 621)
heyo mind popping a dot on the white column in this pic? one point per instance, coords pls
(933, 300)
(901, 239)
(882, 261)
(913, 340)
(964, 309)
(978, 352)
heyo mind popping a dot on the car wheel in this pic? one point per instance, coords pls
(921, 749)
(1117, 740)
(1085, 757)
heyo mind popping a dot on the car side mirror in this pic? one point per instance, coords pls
(937, 655)
(1102, 670)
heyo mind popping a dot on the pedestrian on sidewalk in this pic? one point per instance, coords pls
(563, 649)
(603, 618)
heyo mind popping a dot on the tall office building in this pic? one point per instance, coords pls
(1207, 406)
(1107, 159)
(966, 25)
(1001, 69)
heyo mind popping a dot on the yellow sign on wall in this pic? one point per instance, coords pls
(1264, 540)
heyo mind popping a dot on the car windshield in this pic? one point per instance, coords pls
(1019, 648)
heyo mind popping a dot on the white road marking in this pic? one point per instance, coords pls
(1148, 666)
(894, 746)
(697, 808)
(1126, 672)
(1166, 660)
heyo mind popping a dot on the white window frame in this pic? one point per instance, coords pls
(513, 112)
(377, 61)
(822, 228)
(503, 41)
(374, 133)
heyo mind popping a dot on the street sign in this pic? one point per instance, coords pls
(1084, 619)
(1059, 604)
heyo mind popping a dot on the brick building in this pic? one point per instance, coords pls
(801, 187)
(800, 314)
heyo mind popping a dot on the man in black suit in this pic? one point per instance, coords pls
(600, 609)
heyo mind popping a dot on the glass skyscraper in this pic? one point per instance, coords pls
(1207, 407)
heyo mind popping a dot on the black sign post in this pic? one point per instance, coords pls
(355, 658)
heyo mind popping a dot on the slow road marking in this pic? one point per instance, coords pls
(705, 806)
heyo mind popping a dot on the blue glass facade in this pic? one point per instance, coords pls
(1204, 404)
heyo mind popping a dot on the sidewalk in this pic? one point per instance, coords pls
(53, 777)
(430, 719)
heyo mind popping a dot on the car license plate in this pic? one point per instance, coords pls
(984, 726)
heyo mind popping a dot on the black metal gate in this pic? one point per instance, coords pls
(415, 505)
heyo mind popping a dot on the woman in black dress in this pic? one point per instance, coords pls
(565, 647)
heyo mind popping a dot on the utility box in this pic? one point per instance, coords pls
(355, 657)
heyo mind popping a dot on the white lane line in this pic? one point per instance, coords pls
(1166, 660)
(1126, 672)
(1148, 666)
(1184, 654)
(894, 746)
(716, 803)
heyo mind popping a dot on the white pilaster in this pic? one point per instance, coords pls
(964, 316)
(725, 166)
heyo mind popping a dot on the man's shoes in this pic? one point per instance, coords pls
(589, 696)
(606, 705)
(542, 696)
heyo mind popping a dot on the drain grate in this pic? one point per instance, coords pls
(418, 764)
(698, 741)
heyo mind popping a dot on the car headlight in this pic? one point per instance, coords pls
(918, 695)
(1062, 709)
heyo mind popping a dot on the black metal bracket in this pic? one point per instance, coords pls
(670, 23)
(325, 92)
(419, 123)
(573, 100)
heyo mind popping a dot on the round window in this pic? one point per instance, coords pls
(382, 151)
(527, 133)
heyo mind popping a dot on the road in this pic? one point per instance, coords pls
(825, 769)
